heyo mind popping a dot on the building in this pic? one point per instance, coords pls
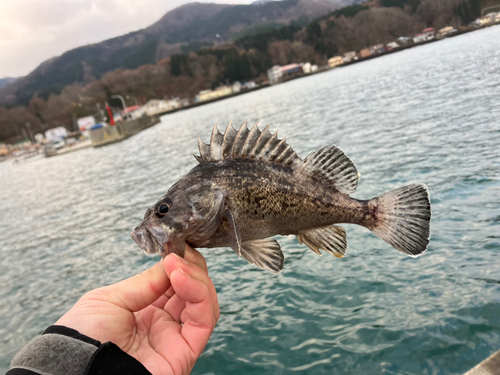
(291, 69)
(249, 85)
(237, 86)
(349, 56)
(306, 67)
(489, 19)
(335, 61)
(445, 31)
(207, 95)
(56, 133)
(4, 151)
(156, 106)
(419, 38)
(404, 41)
(364, 53)
(274, 74)
(429, 33)
(390, 46)
(376, 49)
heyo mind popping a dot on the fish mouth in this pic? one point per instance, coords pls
(148, 242)
(153, 240)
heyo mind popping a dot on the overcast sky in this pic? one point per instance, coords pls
(32, 31)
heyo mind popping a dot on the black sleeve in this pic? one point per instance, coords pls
(62, 350)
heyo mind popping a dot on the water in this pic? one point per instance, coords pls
(429, 114)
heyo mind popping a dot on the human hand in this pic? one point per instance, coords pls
(162, 317)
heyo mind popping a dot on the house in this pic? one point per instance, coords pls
(364, 53)
(404, 41)
(237, 87)
(445, 31)
(291, 69)
(274, 74)
(485, 21)
(419, 38)
(56, 133)
(376, 49)
(249, 85)
(390, 46)
(429, 33)
(206, 95)
(349, 56)
(306, 67)
(335, 61)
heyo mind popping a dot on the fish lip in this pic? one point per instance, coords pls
(146, 240)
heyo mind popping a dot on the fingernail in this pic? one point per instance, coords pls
(181, 259)
(184, 273)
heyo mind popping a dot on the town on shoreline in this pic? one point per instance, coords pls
(96, 131)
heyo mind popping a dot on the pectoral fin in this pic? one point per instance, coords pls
(265, 254)
(331, 239)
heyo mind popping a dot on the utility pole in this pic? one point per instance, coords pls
(29, 131)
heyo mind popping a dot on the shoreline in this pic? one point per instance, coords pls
(323, 69)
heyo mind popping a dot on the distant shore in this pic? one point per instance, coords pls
(323, 69)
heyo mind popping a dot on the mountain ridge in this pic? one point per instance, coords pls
(209, 23)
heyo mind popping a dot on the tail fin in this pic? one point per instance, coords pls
(403, 218)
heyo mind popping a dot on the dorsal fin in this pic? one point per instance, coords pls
(246, 144)
(330, 164)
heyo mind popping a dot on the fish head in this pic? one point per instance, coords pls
(194, 211)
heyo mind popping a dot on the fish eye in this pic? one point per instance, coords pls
(162, 208)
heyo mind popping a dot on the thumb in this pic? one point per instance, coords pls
(139, 291)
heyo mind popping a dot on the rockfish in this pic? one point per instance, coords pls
(249, 186)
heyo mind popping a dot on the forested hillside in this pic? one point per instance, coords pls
(248, 57)
(181, 30)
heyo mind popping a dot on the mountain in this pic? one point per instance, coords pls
(181, 30)
(5, 81)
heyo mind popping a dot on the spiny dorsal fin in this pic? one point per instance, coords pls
(246, 144)
(330, 164)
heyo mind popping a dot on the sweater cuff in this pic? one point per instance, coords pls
(62, 350)
(59, 350)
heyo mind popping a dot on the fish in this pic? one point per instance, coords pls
(250, 186)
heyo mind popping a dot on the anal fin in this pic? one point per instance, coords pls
(331, 239)
(265, 254)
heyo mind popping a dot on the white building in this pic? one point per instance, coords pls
(376, 49)
(156, 106)
(56, 133)
(306, 67)
(249, 85)
(349, 56)
(275, 74)
(237, 87)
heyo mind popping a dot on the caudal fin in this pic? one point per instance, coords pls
(403, 218)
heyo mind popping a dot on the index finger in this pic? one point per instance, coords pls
(194, 256)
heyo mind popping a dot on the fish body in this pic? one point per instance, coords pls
(250, 186)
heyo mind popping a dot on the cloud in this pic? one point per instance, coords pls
(32, 31)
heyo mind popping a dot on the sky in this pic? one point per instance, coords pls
(32, 31)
